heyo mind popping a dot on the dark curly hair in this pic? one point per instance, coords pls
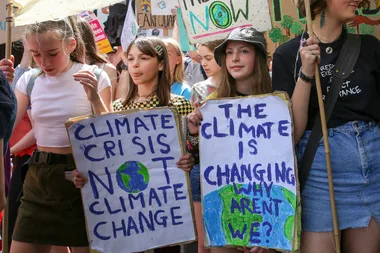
(317, 6)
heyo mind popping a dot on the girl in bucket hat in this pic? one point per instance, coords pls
(242, 57)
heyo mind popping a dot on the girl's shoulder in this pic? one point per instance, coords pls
(213, 95)
(118, 105)
(182, 105)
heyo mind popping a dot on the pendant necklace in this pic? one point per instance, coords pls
(329, 49)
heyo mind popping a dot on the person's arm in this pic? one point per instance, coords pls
(175, 35)
(105, 10)
(112, 74)
(122, 86)
(24, 65)
(22, 106)
(27, 141)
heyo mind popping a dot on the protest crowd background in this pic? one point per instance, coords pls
(231, 72)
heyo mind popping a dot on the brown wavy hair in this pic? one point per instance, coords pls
(148, 46)
(317, 6)
(92, 55)
(260, 85)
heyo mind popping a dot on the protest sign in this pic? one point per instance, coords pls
(146, 20)
(16, 31)
(130, 28)
(249, 186)
(102, 43)
(163, 7)
(136, 198)
(213, 20)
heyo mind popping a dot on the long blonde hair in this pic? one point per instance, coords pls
(179, 71)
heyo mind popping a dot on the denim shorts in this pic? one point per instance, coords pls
(195, 181)
(355, 162)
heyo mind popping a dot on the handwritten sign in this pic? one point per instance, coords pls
(249, 194)
(163, 7)
(213, 20)
(136, 198)
(146, 20)
(102, 43)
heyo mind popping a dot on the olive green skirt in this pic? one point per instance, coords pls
(51, 210)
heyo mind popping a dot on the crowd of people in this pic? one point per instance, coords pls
(61, 75)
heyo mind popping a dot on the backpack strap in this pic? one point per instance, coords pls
(30, 85)
(342, 70)
(187, 62)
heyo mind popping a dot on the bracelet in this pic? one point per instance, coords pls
(306, 78)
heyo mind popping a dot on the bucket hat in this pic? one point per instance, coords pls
(248, 34)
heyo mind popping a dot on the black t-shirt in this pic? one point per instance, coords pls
(8, 109)
(359, 98)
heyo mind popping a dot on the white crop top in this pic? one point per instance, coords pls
(55, 99)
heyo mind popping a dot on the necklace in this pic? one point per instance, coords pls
(329, 49)
(144, 98)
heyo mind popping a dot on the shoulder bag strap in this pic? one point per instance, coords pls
(343, 68)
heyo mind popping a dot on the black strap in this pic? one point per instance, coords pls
(50, 158)
(343, 68)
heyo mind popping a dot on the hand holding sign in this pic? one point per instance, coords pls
(186, 162)
(194, 121)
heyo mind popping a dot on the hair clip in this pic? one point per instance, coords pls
(158, 49)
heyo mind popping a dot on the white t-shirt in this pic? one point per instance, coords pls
(55, 99)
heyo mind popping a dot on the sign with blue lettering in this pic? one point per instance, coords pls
(249, 186)
(215, 19)
(136, 198)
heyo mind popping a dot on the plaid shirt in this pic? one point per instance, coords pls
(182, 105)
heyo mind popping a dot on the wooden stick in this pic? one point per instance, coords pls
(9, 19)
(325, 134)
(8, 52)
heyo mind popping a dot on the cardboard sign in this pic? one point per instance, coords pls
(136, 198)
(288, 22)
(102, 43)
(213, 20)
(248, 175)
(146, 20)
(163, 7)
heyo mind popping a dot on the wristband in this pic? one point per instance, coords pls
(306, 78)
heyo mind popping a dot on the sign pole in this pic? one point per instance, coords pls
(9, 19)
(8, 52)
(325, 135)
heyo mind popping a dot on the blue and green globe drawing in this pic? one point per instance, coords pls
(218, 216)
(132, 177)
